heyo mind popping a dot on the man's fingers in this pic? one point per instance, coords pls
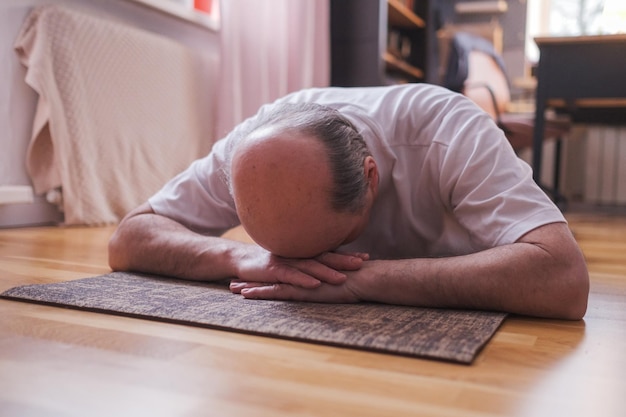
(323, 294)
(297, 274)
(236, 286)
(284, 292)
(362, 255)
(328, 268)
(318, 269)
(343, 261)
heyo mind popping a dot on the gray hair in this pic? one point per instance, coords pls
(346, 148)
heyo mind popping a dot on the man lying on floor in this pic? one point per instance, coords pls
(403, 195)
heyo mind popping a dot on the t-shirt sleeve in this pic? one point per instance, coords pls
(198, 197)
(488, 187)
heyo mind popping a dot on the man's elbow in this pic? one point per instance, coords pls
(124, 239)
(118, 253)
(576, 291)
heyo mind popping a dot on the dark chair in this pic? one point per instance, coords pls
(476, 70)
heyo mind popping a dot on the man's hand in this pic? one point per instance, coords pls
(542, 274)
(324, 293)
(353, 289)
(257, 266)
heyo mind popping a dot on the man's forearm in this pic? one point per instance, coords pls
(150, 243)
(522, 278)
(147, 242)
(543, 275)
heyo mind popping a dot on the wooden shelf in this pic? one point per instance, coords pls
(481, 7)
(591, 102)
(400, 16)
(405, 23)
(552, 40)
(399, 65)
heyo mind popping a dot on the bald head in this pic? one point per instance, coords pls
(302, 178)
(282, 185)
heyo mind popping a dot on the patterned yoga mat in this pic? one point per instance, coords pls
(452, 335)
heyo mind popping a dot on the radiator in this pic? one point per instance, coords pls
(593, 165)
(605, 165)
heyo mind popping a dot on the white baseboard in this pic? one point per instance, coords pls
(16, 194)
(37, 213)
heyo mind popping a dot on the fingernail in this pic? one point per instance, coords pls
(315, 283)
(341, 276)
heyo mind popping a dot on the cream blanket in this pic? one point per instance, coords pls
(117, 111)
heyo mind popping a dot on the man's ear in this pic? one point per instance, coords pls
(371, 173)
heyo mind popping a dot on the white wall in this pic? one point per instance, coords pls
(18, 100)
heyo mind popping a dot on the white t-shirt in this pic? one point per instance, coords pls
(450, 183)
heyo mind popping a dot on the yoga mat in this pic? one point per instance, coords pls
(451, 335)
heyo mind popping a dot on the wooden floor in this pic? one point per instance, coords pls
(58, 362)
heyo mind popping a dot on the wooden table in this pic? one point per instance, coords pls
(583, 76)
(61, 362)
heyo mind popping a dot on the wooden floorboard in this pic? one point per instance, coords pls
(61, 362)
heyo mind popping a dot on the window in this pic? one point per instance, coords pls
(572, 18)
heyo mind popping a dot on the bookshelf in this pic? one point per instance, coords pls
(404, 56)
(400, 14)
(379, 42)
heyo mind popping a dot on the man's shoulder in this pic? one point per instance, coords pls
(363, 95)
